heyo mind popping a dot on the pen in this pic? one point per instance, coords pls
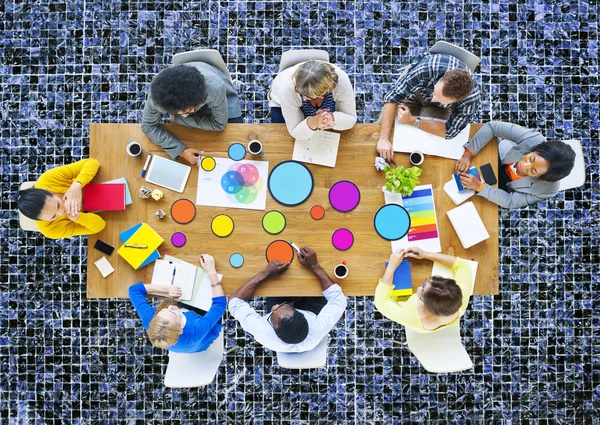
(393, 162)
(295, 246)
(136, 246)
(146, 165)
(173, 278)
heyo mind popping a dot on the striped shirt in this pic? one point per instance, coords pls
(422, 77)
(311, 111)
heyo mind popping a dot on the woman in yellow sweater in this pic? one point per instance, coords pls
(56, 198)
(439, 302)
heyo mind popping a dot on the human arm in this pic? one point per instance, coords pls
(208, 264)
(513, 199)
(56, 178)
(345, 103)
(137, 296)
(444, 259)
(463, 276)
(245, 291)
(308, 258)
(395, 260)
(384, 145)
(389, 306)
(151, 125)
(430, 126)
(67, 226)
(503, 130)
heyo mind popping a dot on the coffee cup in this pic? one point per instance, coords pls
(133, 148)
(416, 157)
(255, 147)
(341, 270)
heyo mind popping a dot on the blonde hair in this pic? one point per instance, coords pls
(161, 332)
(315, 78)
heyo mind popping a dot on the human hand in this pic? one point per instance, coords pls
(174, 292)
(308, 257)
(172, 117)
(276, 267)
(328, 119)
(469, 181)
(396, 258)
(404, 115)
(463, 163)
(415, 252)
(191, 155)
(73, 199)
(74, 217)
(385, 149)
(316, 122)
(208, 263)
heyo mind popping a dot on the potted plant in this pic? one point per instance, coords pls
(399, 180)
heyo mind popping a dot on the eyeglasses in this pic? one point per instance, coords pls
(273, 312)
(425, 282)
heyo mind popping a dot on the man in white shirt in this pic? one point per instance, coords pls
(297, 324)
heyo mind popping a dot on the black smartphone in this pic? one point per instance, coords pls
(488, 174)
(104, 247)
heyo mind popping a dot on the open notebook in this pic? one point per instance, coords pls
(409, 139)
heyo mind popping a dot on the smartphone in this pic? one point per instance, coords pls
(488, 174)
(104, 247)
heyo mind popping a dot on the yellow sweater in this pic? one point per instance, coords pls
(405, 311)
(58, 180)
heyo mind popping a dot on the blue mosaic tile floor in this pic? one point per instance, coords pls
(536, 349)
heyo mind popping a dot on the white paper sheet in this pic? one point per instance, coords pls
(234, 184)
(320, 149)
(457, 196)
(408, 139)
(468, 225)
(104, 266)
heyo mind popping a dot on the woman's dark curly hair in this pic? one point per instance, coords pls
(178, 88)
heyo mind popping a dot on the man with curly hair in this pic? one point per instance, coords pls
(195, 95)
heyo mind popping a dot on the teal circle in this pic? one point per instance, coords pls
(236, 260)
(392, 222)
(237, 151)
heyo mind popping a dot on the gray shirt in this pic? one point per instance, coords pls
(527, 190)
(221, 103)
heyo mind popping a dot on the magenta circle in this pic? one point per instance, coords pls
(342, 239)
(178, 239)
(249, 173)
(344, 196)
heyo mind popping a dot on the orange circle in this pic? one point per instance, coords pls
(280, 250)
(183, 211)
(317, 212)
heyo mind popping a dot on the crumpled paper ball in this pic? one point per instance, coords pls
(160, 214)
(380, 163)
(157, 194)
(145, 192)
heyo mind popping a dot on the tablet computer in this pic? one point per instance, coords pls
(166, 173)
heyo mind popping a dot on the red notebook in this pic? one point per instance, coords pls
(104, 197)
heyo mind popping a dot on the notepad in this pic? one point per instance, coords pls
(468, 225)
(180, 274)
(402, 280)
(124, 236)
(104, 197)
(144, 236)
(409, 139)
(457, 196)
(104, 266)
(443, 271)
(320, 149)
(202, 294)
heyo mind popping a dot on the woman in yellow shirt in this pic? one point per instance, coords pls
(437, 303)
(56, 198)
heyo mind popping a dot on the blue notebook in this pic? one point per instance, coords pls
(472, 171)
(129, 233)
(402, 280)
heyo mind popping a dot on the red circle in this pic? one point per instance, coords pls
(317, 212)
(280, 250)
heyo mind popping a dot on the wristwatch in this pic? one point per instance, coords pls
(417, 123)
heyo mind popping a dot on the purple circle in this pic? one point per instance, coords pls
(344, 196)
(342, 239)
(178, 239)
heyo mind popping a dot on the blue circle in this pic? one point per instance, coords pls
(236, 260)
(290, 183)
(237, 151)
(392, 222)
(232, 182)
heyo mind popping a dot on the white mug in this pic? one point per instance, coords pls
(341, 270)
(254, 144)
(420, 154)
(133, 145)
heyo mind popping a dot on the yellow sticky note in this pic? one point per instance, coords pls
(144, 236)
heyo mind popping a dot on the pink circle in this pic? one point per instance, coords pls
(342, 239)
(178, 239)
(249, 173)
(344, 196)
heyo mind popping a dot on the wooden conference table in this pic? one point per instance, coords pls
(355, 162)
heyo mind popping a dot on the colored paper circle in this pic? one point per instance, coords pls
(183, 211)
(273, 222)
(342, 239)
(392, 222)
(317, 212)
(280, 250)
(237, 151)
(290, 183)
(208, 163)
(236, 260)
(178, 239)
(344, 196)
(222, 225)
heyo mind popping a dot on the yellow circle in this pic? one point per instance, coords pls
(222, 225)
(208, 163)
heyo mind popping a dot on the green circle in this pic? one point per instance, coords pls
(274, 222)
